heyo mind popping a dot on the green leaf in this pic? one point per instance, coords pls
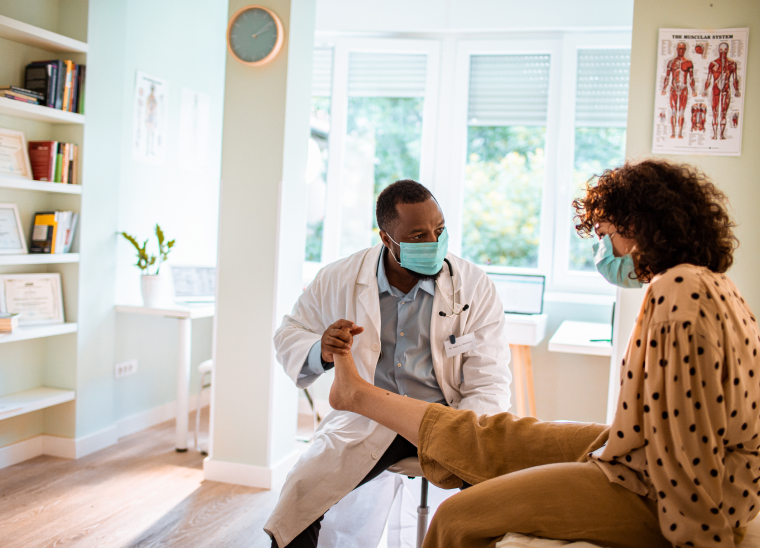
(132, 240)
(159, 235)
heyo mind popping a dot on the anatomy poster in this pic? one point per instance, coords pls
(149, 126)
(193, 129)
(699, 100)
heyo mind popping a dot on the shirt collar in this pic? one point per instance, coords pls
(428, 286)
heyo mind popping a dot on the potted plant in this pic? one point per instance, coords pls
(155, 287)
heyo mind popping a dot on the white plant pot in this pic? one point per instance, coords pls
(156, 290)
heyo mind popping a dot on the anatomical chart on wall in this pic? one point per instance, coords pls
(193, 129)
(699, 96)
(149, 125)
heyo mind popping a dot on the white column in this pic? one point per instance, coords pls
(262, 224)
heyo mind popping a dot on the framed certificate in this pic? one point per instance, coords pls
(37, 298)
(12, 241)
(14, 156)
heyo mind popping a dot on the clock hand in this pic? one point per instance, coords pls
(262, 29)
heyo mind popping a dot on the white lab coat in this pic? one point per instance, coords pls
(348, 445)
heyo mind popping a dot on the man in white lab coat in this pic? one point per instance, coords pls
(423, 323)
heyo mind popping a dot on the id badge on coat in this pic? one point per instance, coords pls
(462, 344)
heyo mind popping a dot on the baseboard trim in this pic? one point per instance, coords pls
(262, 477)
(157, 415)
(21, 451)
(86, 445)
(67, 448)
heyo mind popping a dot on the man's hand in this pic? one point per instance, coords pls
(338, 338)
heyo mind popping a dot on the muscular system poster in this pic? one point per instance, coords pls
(699, 96)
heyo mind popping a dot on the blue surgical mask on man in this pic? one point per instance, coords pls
(616, 270)
(423, 257)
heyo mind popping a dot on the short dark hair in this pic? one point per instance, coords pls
(674, 212)
(405, 191)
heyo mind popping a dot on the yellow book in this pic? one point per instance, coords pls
(44, 233)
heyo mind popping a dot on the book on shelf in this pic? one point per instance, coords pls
(21, 94)
(43, 78)
(53, 232)
(54, 161)
(61, 84)
(8, 322)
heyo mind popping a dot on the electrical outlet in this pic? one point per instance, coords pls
(123, 369)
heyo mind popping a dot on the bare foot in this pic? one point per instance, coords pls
(346, 385)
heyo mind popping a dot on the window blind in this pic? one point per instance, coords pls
(508, 90)
(601, 98)
(321, 79)
(386, 75)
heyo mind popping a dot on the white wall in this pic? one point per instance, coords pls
(182, 42)
(736, 176)
(422, 16)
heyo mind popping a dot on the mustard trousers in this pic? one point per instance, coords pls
(527, 477)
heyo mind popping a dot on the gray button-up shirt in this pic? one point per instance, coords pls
(406, 362)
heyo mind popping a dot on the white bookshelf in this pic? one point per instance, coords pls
(39, 258)
(39, 186)
(35, 399)
(19, 109)
(37, 332)
(23, 33)
(42, 123)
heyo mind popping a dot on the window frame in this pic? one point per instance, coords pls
(564, 279)
(456, 180)
(443, 154)
(342, 48)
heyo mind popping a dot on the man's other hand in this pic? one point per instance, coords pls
(338, 338)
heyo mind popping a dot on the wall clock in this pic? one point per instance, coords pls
(254, 35)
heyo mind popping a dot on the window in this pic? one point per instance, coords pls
(601, 106)
(316, 166)
(506, 162)
(372, 123)
(383, 137)
(505, 133)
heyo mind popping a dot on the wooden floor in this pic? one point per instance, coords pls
(138, 493)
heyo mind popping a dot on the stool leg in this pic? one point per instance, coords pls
(422, 514)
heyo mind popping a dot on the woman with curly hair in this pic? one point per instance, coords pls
(679, 465)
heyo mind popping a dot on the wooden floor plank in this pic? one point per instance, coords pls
(138, 493)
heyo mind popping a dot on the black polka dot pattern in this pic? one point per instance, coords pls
(687, 431)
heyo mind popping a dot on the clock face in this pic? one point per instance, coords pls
(255, 35)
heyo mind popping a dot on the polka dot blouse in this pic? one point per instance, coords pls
(686, 427)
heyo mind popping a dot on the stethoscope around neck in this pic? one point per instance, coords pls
(453, 305)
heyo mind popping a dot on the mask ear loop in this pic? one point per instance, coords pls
(391, 250)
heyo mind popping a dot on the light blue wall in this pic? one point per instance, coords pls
(182, 42)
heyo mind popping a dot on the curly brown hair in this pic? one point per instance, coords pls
(673, 212)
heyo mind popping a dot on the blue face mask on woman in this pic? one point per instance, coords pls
(424, 257)
(616, 270)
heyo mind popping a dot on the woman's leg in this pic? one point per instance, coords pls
(568, 501)
(350, 392)
(457, 444)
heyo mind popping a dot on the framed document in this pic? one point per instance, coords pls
(14, 156)
(12, 241)
(37, 298)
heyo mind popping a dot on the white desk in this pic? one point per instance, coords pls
(522, 332)
(582, 338)
(183, 314)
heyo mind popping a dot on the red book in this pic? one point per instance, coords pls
(42, 157)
